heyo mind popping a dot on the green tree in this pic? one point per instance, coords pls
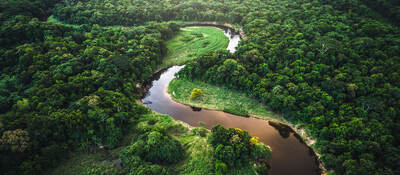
(196, 93)
(15, 140)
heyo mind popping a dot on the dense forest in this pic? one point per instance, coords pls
(74, 84)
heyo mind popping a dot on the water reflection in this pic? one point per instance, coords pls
(195, 109)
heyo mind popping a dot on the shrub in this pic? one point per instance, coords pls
(196, 93)
(220, 167)
(154, 147)
(16, 140)
(254, 140)
(202, 124)
(23, 105)
(200, 131)
(101, 169)
(162, 149)
(260, 151)
(149, 170)
(235, 147)
(262, 169)
(226, 154)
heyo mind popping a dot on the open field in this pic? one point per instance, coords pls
(220, 98)
(191, 42)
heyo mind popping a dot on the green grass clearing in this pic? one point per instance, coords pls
(219, 98)
(191, 42)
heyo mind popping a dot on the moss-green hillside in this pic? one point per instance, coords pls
(191, 42)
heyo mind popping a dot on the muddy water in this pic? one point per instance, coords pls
(289, 155)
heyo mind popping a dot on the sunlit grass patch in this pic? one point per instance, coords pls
(191, 42)
(220, 98)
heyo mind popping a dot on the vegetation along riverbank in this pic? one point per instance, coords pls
(71, 73)
(224, 99)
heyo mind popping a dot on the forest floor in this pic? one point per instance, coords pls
(191, 42)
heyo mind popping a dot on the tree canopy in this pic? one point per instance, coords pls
(71, 72)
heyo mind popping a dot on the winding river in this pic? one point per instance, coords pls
(290, 156)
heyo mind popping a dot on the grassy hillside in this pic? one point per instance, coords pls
(191, 42)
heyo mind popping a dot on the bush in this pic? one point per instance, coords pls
(101, 169)
(262, 169)
(16, 140)
(149, 170)
(202, 124)
(220, 167)
(23, 105)
(235, 147)
(227, 154)
(231, 145)
(154, 147)
(254, 140)
(260, 151)
(200, 131)
(162, 149)
(134, 165)
(196, 93)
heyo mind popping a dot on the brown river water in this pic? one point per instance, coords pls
(290, 156)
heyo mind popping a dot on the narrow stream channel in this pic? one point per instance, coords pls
(290, 156)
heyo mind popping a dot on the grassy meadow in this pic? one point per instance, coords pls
(191, 42)
(219, 98)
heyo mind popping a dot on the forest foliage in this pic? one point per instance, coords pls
(234, 148)
(332, 65)
(335, 71)
(66, 87)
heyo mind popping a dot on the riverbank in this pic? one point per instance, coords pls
(220, 98)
